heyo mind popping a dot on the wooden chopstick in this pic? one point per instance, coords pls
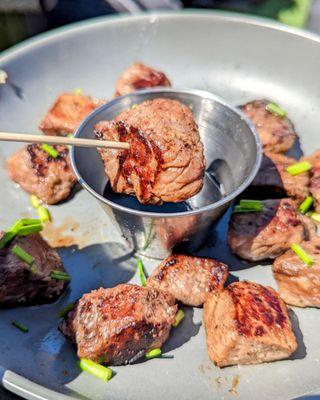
(26, 138)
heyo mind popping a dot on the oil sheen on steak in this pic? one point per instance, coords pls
(189, 279)
(18, 285)
(165, 161)
(119, 325)
(247, 323)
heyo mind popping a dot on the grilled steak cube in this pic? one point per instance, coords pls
(299, 284)
(314, 159)
(267, 234)
(66, 113)
(189, 279)
(119, 325)
(51, 179)
(139, 76)
(273, 180)
(21, 285)
(276, 133)
(247, 323)
(165, 161)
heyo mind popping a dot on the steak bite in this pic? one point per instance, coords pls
(266, 234)
(299, 284)
(165, 161)
(19, 284)
(273, 180)
(314, 159)
(139, 76)
(50, 179)
(66, 113)
(247, 323)
(276, 133)
(119, 325)
(189, 279)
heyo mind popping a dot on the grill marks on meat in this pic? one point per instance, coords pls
(276, 133)
(247, 323)
(266, 234)
(139, 76)
(299, 285)
(67, 112)
(273, 180)
(119, 325)
(189, 279)
(18, 285)
(50, 179)
(165, 161)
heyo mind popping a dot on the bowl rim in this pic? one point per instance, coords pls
(220, 203)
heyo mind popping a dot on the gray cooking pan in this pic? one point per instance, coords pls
(237, 58)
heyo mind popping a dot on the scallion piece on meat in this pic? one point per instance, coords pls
(66, 310)
(275, 109)
(239, 209)
(97, 370)
(141, 273)
(27, 230)
(299, 168)
(50, 150)
(179, 317)
(23, 255)
(35, 202)
(22, 328)
(44, 214)
(302, 254)
(153, 353)
(251, 204)
(6, 238)
(315, 216)
(59, 275)
(306, 204)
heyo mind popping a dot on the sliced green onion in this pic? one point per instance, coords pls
(6, 238)
(97, 370)
(27, 230)
(251, 204)
(153, 353)
(302, 254)
(44, 214)
(35, 202)
(239, 209)
(50, 150)
(179, 317)
(59, 275)
(306, 204)
(23, 226)
(69, 307)
(315, 216)
(275, 109)
(22, 328)
(299, 168)
(141, 273)
(23, 255)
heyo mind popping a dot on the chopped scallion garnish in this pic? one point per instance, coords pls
(35, 202)
(302, 254)
(153, 353)
(306, 204)
(6, 238)
(97, 370)
(69, 307)
(141, 273)
(50, 150)
(22, 328)
(27, 230)
(315, 216)
(179, 317)
(275, 109)
(299, 168)
(23, 227)
(23, 255)
(44, 214)
(59, 275)
(248, 206)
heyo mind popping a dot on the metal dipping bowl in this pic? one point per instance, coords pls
(233, 155)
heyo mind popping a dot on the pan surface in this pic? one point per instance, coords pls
(236, 58)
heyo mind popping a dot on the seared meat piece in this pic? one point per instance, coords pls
(165, 161)
(273, 179)
(139, 76)
(299, 284)
(189, 279)
(266, 234)
(19, 285)
(247, 323)
(314, 159)
(119, 325)
(51, 179)
(276, 133)
(67, 112)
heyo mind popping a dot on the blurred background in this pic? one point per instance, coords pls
(20, 19)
